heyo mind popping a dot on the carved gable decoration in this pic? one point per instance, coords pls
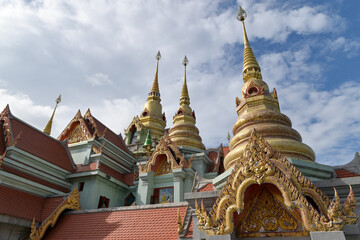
(267, 216)
(261, 166)
(138, 124)
(165, 168)
(173, 156)
(81, 129)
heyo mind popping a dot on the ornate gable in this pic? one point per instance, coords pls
(172, 153)
(5, 118)
(77, 130)
(298, 200)
(138, 124)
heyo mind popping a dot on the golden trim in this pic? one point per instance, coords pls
(71, 202)
(261, 164)
(173, 156)
(179, 221)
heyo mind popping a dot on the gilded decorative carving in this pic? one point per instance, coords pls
(179, 222)
(165, 168)
(77, 129)
(98, 150)
(71, 202)
(5, 116)
(349, 208)
(76, 135)
(253, 90)
(138, 124)
(268, 215)
(259, 165)
(173, 155)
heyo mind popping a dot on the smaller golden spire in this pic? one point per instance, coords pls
(155, 87)
(185, 99)
(251, 67)
(47, 129)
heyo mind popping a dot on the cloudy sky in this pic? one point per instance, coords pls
(101, 55)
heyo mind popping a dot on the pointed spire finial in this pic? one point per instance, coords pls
(185, 99)
(155, 87)
(47, 129)
(228, 136)
(251, 68)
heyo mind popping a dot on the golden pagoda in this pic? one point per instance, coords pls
(259, 109)
(184, 132)
(152, 117)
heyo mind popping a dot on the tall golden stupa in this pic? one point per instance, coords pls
(184, 132)
(259, 109)
(152, 117)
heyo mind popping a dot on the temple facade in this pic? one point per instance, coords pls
(161, 182)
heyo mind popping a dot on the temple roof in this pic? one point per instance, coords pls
(91, 128)
(138, 222)
(33, 141)
(27, 206)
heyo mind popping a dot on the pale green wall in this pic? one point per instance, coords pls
(96, 186)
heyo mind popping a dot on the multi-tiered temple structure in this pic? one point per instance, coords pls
(160, 183)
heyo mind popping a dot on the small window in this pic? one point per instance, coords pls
(130, 199)
(103, 202)
(163, 195)
(81, 186)
(133, 136)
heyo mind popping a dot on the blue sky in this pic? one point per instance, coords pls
(101, 55)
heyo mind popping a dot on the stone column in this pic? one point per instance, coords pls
(179, 175)
(145, 189)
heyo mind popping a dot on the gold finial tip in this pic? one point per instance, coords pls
(158, 55)
(58, 100)
(241, 14)
(185, 61)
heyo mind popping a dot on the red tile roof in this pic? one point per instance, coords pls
(207, 187)
(212, 156)
(35, 142)
(343, 173)
(39, 144)
(49, 205)
(24, 205)
(111, 136)
(226, 150)
(123, 223)
(20, 204)
(85, 168)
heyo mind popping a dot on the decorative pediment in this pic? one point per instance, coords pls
(81, 129)
(135, 122)
(71, 202)
(173, 156)
(5, 118)
(260, 165)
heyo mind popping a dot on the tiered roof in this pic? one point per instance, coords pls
(33, 141)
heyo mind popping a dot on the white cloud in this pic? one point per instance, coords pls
(49, 46)
(99, 79)
(348, 46)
